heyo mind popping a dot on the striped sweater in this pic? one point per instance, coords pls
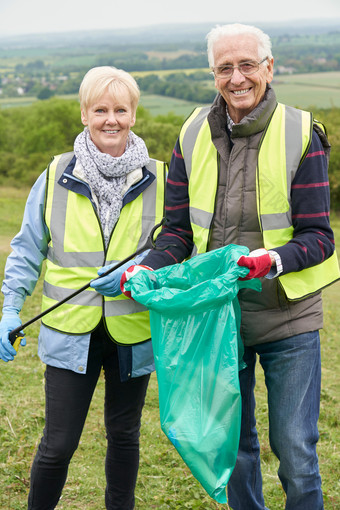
(313, 239)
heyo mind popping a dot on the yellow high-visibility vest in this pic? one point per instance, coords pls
(286, 141)
(77, 251)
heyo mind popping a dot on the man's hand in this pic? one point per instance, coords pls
(259, 263)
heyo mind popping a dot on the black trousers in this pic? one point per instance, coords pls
(68, 397)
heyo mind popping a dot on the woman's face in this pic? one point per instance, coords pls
(109, 121)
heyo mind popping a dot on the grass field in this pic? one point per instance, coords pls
(164, 481)
(321, 90)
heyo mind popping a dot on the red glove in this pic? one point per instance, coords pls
(129, 273)
(259, 263)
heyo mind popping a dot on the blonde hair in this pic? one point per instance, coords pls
(215, 34)
(99, 79)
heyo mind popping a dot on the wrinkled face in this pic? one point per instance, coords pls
(241, 93)
(109, 121)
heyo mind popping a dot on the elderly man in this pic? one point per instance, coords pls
(253, 172)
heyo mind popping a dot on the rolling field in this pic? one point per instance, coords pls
(318, 90)
(321, 90)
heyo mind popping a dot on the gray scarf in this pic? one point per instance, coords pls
(106, 174)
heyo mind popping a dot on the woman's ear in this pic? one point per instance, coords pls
(83, 117)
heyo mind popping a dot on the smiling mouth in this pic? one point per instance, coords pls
(111, 131)
(240, 92)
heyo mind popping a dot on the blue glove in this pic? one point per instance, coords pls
(109, 285)
(10, 320)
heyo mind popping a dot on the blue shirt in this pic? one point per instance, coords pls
(23, 269)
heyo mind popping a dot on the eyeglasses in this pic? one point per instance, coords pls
(246, 68)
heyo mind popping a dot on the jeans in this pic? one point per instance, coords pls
(292, 369)
(68, 397)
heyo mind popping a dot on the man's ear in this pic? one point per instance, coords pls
(270, 70)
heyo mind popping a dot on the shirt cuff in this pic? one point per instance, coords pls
(14, 299)
(277, 269)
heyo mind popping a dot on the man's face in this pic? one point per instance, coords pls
(241, 93)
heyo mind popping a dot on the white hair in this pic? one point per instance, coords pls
(215, 34)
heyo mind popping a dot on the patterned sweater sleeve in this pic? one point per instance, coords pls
(175, 242)
(313, 238)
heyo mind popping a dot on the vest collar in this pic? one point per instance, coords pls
(251, 124)
(138, 183)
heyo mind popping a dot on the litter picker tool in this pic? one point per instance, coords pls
(15, 336)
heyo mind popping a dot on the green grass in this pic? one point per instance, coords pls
(162, 105)
(320, 90)
(11, 102)
(164, 481)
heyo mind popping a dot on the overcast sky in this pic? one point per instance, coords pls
(41, 16)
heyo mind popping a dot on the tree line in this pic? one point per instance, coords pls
(193, 87)
(30, 136)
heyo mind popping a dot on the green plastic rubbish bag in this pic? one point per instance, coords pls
(195, 322)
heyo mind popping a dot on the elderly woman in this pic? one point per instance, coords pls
(91, 208)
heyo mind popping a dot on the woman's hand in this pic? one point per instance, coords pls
(10, 320)
(109, 285)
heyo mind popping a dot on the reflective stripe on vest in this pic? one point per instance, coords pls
(202, 158)
(77, 252)
(285, 141)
